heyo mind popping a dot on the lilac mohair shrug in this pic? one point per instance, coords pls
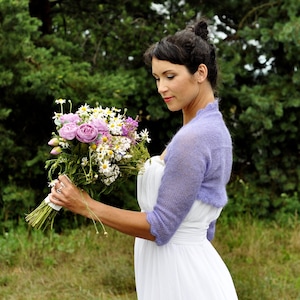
(198, 165)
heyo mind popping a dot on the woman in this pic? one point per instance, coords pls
(182, 192)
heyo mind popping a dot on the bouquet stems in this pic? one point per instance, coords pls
(43, 215)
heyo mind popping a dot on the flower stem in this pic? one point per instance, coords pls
(93, 217)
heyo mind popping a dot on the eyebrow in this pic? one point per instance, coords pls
(163, 72)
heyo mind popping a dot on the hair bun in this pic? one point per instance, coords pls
(201, 30)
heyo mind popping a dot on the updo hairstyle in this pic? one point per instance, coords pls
(189, 47)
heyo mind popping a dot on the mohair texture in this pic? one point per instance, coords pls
(198, 165)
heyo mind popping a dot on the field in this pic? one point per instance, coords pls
(263, 258)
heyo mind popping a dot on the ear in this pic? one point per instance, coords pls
(201, 73)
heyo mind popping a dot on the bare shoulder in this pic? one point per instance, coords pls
(163, 154)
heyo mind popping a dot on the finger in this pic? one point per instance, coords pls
(64, 182)
(63, 177)
(56, 190)
(53, 199)
(59, 186)
(62, 185)
(59, 190)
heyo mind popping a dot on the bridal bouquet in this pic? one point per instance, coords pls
(97, 148)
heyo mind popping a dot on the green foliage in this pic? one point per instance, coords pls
(249, 199)
(260, 94)
(92, 52)
(84, 59)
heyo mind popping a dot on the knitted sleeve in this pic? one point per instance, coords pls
(186, 162)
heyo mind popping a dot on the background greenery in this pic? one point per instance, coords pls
(91, 51)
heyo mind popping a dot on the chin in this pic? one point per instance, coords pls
(173, 109)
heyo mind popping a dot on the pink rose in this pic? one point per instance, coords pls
(100, 125)
(69, 118)
(87, 133)
(68, 131)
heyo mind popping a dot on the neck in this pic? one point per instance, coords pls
(190, 112)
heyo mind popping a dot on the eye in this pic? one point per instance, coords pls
(170, 76)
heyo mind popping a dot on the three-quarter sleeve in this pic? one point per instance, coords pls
(185, 166)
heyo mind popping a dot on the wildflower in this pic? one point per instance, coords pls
(84, 109)
(60, 101)
(84, 161)
(93, 146)
(145, 135)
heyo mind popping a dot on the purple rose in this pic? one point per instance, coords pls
(100, 125)
(69, 118)
(68, 131)
(87, 133)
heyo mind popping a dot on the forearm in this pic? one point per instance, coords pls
(79, 202)
(129, 222)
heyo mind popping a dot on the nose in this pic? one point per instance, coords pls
(161, 87)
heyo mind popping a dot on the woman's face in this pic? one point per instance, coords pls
(179, 88)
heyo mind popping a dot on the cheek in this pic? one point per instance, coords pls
(178, 87)
(186, 89)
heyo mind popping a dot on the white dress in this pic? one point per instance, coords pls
(186, 268)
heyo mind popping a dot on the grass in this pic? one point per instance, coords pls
(263, 258)
(76, 265)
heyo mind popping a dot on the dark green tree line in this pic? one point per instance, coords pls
(92, 52)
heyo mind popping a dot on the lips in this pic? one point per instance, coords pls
(167, 99)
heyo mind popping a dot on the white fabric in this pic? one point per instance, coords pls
(52, 205)
(186, 268)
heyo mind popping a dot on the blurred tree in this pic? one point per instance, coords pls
(260, 68)
(87, 52)
(92, 52)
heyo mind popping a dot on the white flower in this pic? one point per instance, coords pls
(104, 167)
(115, 126)
(52, 183)
(84, 161)
(144, 134)
(107, 112)
(64, 144)
(112, 176)
(56, 118)
(84, 110)
(125, 142)
(60, 101)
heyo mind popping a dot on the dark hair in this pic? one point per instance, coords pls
(189, 47)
